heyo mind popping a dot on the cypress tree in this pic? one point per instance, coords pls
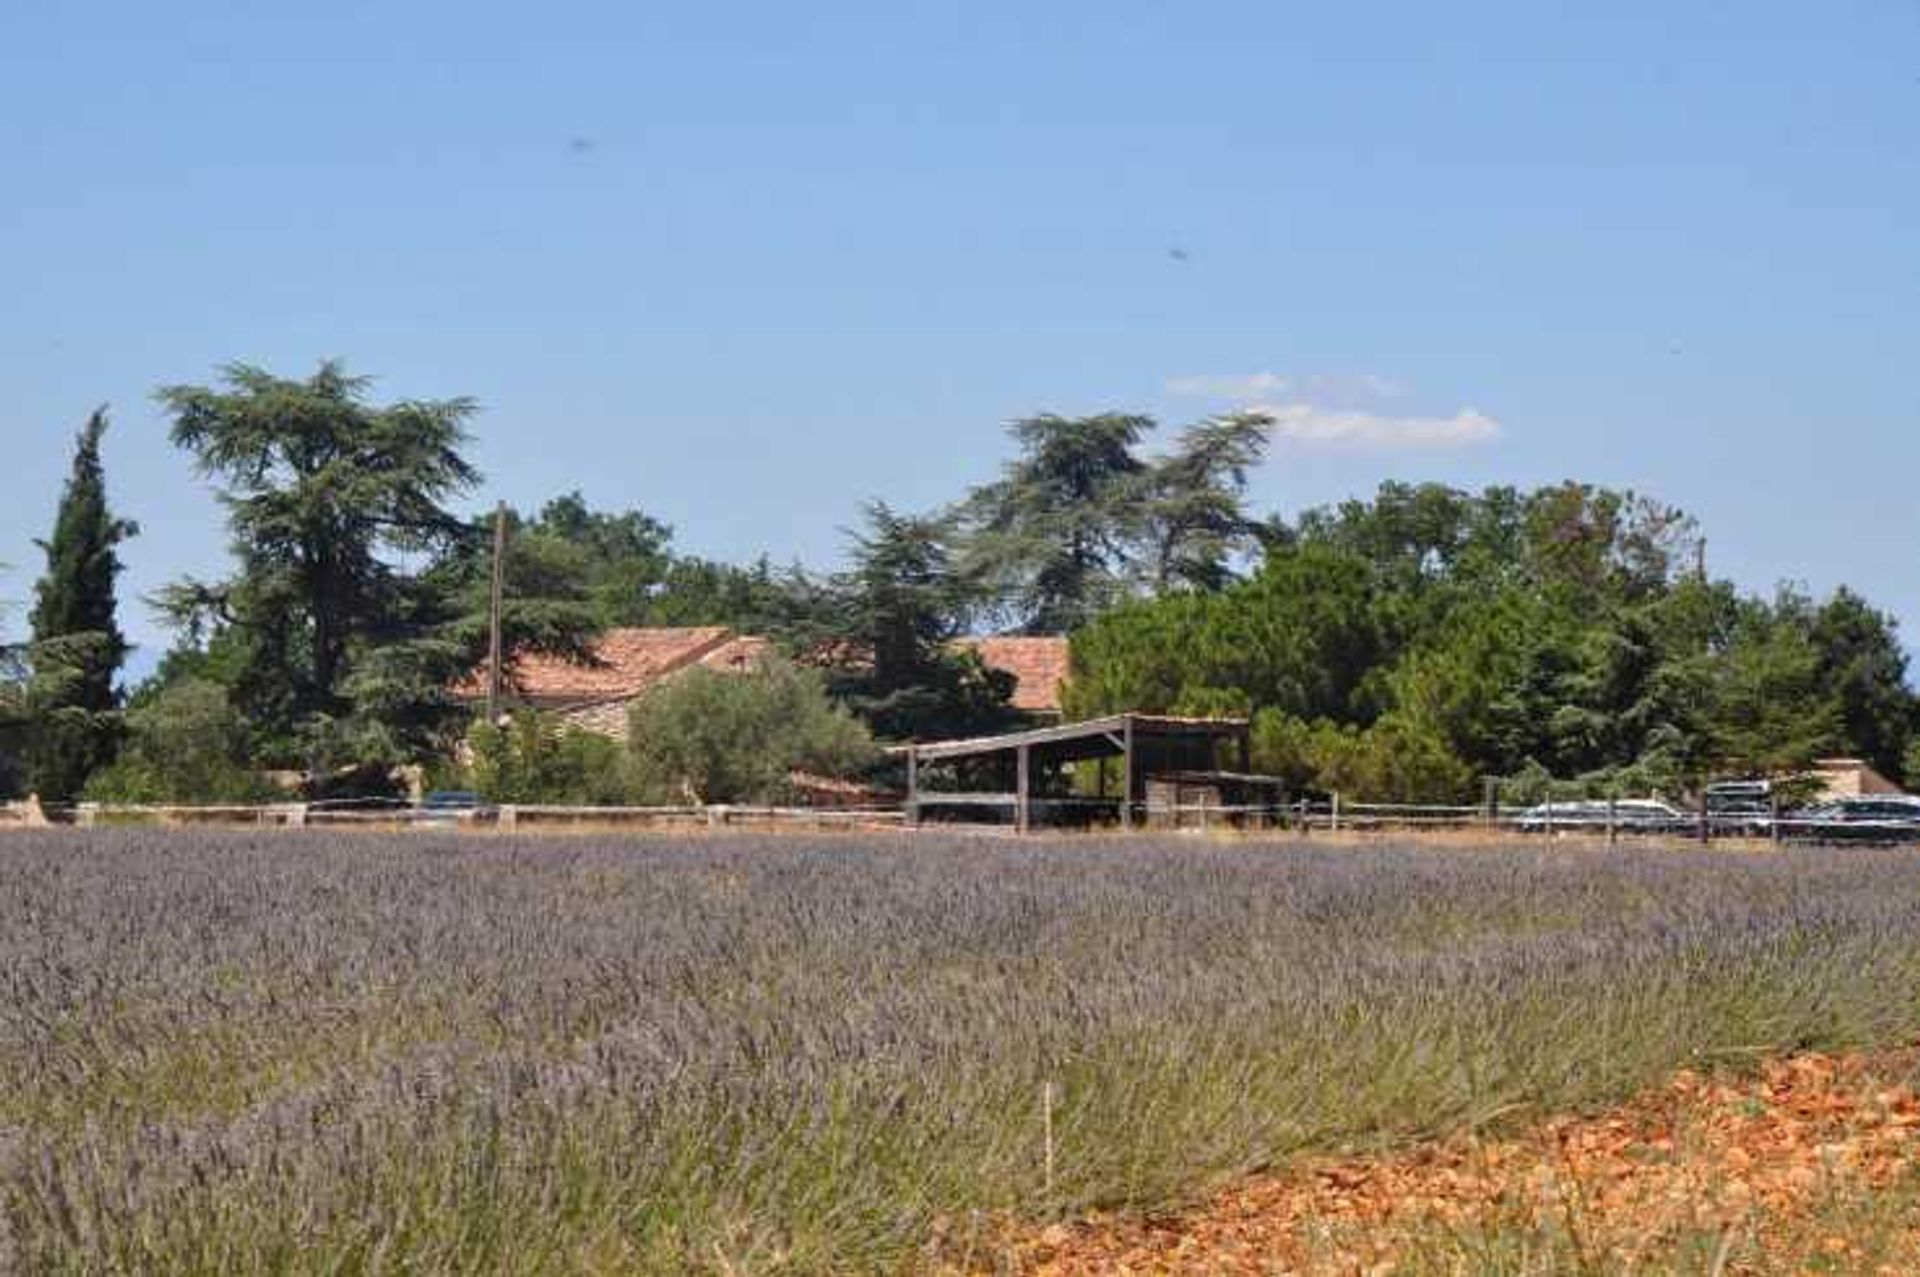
(77, 647)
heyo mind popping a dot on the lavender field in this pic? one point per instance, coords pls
(323, 1052)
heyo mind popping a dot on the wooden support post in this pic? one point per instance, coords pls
(1023, 789)
(1706, 825)
(1491, 813)
(1126, 774)
(1246, 750)
(1613, 819)
(1335, 825)
(913, 785)
(1773, 818)
(496, 679)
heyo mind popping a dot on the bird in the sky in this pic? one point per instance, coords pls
(1179, 255)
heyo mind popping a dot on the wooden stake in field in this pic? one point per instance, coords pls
(1046, 1127)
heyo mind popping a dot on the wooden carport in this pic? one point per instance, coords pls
(1145, 745)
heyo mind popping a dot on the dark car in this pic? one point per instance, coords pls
(451, 806)
(1740, 806)
(1858, 818)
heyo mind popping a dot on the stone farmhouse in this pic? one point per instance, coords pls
(631, 660)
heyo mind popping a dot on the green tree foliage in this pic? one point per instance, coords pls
(1194, 518)
(708, 737)
(1861, 663)
(1409, 646)
(621, 559)
(538, 758)
(1054, 531)
(902, 602)
(782, 603)
(338, 652)
(13, 713)
(186, 742)
(77, 647)
(621, 569)
(1081, 520)
(1301, 636)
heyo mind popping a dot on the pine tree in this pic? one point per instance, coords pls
(77, 648)
(903, 600)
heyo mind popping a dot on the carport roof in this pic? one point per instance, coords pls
(1104, 734)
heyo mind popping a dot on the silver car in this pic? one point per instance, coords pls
(1635, 815)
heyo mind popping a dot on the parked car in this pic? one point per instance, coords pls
(1629, 815)
(1740, 806)
(451, 807)
(1858, 818)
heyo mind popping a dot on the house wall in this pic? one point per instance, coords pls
(608, 718)
(1850, 778)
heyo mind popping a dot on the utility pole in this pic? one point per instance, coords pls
(495, 682)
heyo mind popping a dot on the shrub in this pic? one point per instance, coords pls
(187, 744)
(538, 758)
(708, 737)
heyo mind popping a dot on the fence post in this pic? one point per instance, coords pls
(1773, 818)
(86, 814)
(1305, 816)
(1335, 826)
(509, 816)
(1706, 829)
(296, 815)
(1549, 820)
(1490, 813)
(1613, 812)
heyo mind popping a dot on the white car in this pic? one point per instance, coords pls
(1639, 815)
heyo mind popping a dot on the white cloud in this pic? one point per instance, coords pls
(1269, 385)
(1253, 385)
(1307, 424)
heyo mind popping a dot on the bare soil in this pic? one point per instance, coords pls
(1811, 1165)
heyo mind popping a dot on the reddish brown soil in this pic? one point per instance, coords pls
(1811, 1166)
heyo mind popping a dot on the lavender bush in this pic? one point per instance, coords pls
(322, 1052)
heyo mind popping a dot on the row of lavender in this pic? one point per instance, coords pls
(326, 1051)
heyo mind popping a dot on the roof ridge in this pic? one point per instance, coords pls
(694, 656)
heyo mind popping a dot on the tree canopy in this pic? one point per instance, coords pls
(898, 607)
(1410, 646)
(1080, 520)
(77, 647)
(332, 647)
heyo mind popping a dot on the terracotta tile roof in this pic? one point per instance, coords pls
(627, 661)
(739, 654)
(1038, 665)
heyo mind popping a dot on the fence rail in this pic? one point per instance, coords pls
(1302, 817)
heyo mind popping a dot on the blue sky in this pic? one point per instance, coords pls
(745, 266)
